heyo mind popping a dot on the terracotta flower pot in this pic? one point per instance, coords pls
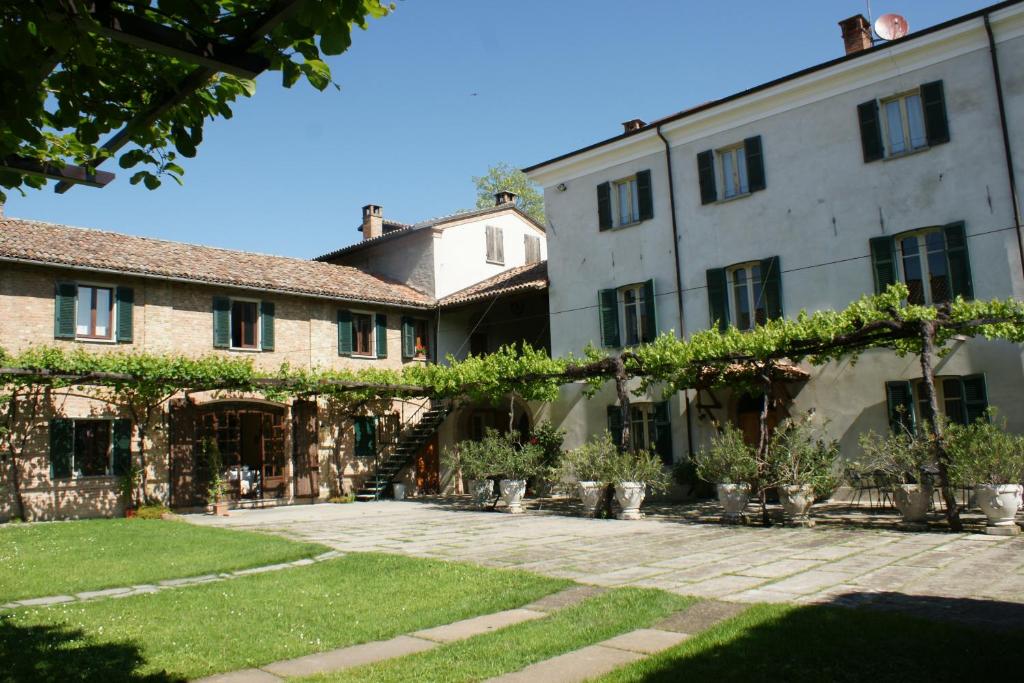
(796, 500)
(630, 494)
(734, 499)
(512, 491)
(220, 508)
(130, 513)
(590, 495)
(999, 502)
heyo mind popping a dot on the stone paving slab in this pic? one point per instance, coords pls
(348, 657)
(243, 676)
(700, 616)
(467, 628)
(646, 641)
(566, 598)
(572, 667)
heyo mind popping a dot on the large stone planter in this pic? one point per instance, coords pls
(512, 491)
(913, 501)
(1000, 503)
(590, 495)
(734, 499)
(796, 500)
(630, 494)
(482, 490)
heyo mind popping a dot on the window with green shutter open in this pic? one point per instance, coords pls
(628, 315)
(625, 201)
(933, 262)
(89, 447)
(907, 122)
(961, 399)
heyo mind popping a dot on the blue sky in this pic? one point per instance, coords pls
(436, 92)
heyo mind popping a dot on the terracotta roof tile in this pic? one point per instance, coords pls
(38, 242)
(531, 276)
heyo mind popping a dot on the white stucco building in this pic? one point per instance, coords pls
(896, 161)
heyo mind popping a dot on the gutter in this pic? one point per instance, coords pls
(679, 275)
(1007, 152)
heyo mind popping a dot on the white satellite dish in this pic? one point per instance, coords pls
(891, 26)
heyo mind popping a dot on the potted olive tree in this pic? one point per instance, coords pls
(549, 438)
(800, 465)
(731, 464)
(905, 459)
(129, 485)
(514, 463)
(216, 485)
(588, 465)
(984, 455)
(632, 472)
(468, 460)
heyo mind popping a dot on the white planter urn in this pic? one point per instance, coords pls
(796, 500)
(482, 489)
(913, 501)
(630, 495)
(512, 491)
(590, 495)
(999, 502)
(734, 498)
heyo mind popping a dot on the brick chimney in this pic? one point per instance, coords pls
(504, 197)
(373, 221)
(632, 125)
(856, 34)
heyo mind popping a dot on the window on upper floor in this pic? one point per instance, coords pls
(731, 171)
(903, 123)
(746, 294)
(89, 447)
(362, 334)
(93, 313)
(625, 201)
(416, 343)
(628, 315)
(495, 245)
(933, 263)
(531, 246)
(960, 399)
(650, 428)
(243, 324)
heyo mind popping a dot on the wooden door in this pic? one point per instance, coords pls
(428, 468)
(306, 460)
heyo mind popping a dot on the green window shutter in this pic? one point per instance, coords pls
(221, 322)
(651, 308)
(62, 447)
(122, 446)
(755, 163)
(771, 286)
(663, 432)
(408, 338)
(706, 176)
(344, 333)
(899, 398)
(933, 101)
(975, 397)
(959, 261)
(382, 335)
(870, 131)
(64, 310)
(615, 424)
(125, 297)
(718, 297)
(883, 262)
(604, 206)
(608, 306)
(645, 195)
(267, 325)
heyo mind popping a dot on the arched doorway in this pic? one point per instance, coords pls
(250, 436)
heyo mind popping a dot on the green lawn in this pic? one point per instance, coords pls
(254, 620)
(56, 558)
(515, 647)
(819, 643)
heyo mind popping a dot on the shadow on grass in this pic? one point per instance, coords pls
(58, 653)
(832, 643)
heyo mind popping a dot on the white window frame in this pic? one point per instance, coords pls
(940, 396)
(75, 472)
(498, 258)
(737, 153)
(631, 210)
(922, 256)
(257, 347)
(642, 427)
(111, 338)
(905, 127)
(640, 304)
(751, 295)
(372, 353)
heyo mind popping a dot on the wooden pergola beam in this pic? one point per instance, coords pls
(71, 175)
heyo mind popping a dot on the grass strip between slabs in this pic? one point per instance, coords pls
(512, 648)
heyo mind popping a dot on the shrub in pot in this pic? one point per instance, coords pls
(216, 485)
(588, 465)
(129, 485)
(549, 438)
(731, 464)
(985, 456)
(632, 472)
(903, 459)
(800, 465)
(502, 456)
(470, 460)
(684, 473)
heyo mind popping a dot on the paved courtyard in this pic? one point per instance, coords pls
(967, 576)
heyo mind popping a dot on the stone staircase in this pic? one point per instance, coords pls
(378, 485)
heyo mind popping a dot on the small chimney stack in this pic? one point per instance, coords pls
(505, 197)
(856, 34)
(373, 221)
(632, 125)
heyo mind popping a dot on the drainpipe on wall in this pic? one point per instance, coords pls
(679, 276)
(1006, 140)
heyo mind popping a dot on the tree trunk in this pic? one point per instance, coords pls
(604, 508)
(19, 502)
(762, 447)
(935, 423)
